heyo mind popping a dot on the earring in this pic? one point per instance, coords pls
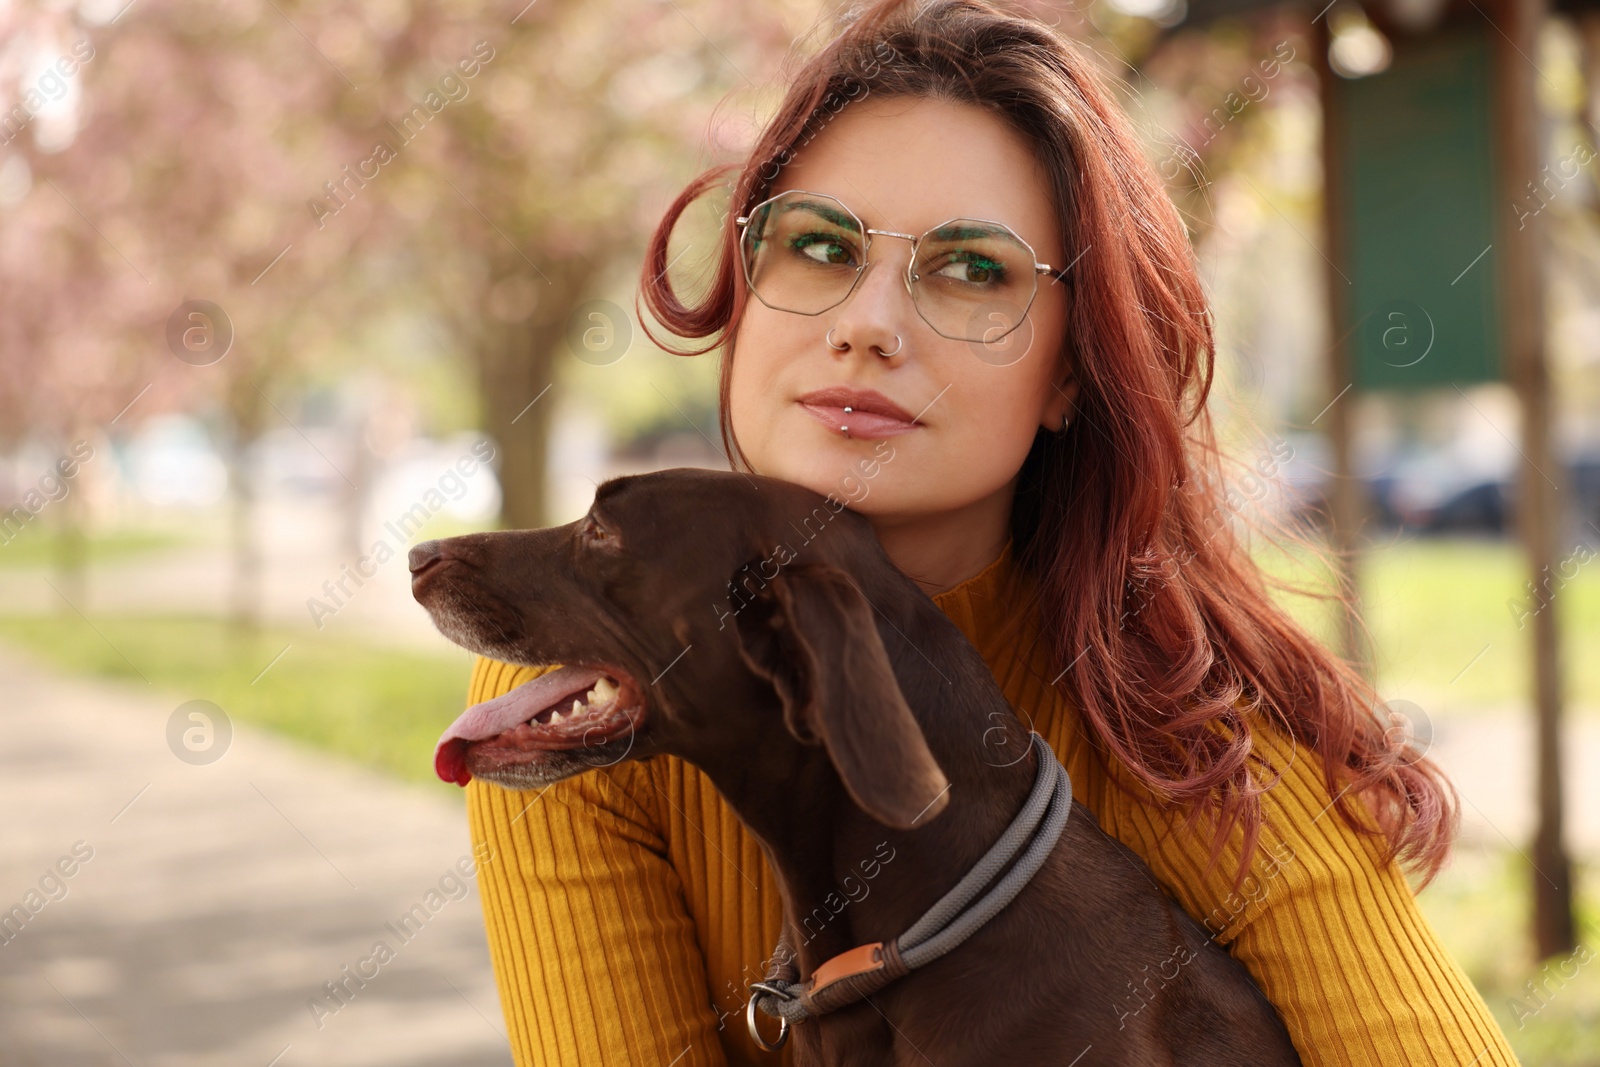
(1064, 420)
(829, 339)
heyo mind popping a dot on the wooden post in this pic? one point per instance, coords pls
(1347, 498)
(1589, 38)
(1539, 478)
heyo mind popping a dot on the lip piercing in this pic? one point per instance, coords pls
(846, 428)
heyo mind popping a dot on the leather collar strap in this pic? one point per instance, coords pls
(865, 969)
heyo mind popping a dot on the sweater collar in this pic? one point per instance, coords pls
(999, 612)
(987, 605)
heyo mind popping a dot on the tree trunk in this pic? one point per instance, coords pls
(72, 550)
(354, 492)
(1519, 123)
(245, 609)
(516, 364)
(246, 405)
(1347, 500)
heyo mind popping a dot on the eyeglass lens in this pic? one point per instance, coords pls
(971, 280)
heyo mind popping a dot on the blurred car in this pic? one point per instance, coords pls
(1442, 491)
(1453, 489)
(1583, 483)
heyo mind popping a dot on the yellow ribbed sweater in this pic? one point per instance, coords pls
(627, 907)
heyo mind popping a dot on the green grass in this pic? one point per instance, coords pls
(381, 707)
(39, 547)
(1443, 633)
(1479, 906)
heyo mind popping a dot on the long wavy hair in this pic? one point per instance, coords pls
(1161, 624)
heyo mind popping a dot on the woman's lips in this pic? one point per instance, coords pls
(868, 425)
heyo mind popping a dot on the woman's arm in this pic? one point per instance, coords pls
(1333, 938)
(594, 950)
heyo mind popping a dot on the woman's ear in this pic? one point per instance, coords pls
(818, 645)
(1063, 399)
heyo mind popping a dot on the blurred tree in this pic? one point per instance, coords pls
(564, 147)
(309, 168)
(1216, 85)
(141, 174)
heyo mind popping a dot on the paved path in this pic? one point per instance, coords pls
(220, 898)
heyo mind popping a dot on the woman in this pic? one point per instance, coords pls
(1054, 487)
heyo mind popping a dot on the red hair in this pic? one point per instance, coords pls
(1161, 626)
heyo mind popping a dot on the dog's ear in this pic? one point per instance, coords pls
(812, 635)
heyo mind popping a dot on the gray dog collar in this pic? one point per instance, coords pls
(860, 971)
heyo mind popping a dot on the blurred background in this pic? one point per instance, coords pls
(287, 287)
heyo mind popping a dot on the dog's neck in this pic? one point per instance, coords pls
(847, 879)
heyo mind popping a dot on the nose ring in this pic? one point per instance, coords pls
(899, 344)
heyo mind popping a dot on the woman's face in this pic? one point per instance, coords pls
(908, 165)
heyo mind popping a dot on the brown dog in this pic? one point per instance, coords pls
(758, 631)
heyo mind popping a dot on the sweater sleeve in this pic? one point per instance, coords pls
(593, 946)
(1333, 937)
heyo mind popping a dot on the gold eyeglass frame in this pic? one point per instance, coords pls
(908, 276)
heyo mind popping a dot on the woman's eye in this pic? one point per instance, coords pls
(974, 269)
(822, 248)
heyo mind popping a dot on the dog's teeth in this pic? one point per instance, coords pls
(555, 717)
(577, 708)
(603, 691)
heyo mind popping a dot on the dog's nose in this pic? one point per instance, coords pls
(425, 555)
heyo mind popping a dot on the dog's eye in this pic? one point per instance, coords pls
(593, 531)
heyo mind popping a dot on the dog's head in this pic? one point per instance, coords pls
(697, 613)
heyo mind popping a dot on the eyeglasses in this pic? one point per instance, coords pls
(970, 279)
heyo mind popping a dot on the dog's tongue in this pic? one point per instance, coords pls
(505, 712)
